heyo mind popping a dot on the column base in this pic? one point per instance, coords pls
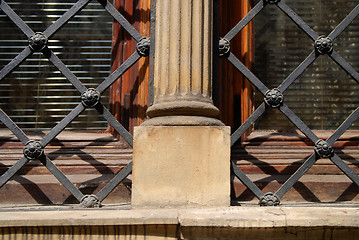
(182, 121)
(180, 107)
(181, 166)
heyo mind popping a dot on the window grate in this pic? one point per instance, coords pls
(88, 97)
(274, 98)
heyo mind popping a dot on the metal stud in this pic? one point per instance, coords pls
(272, 1)
(33, 150)
(38, 41)
(323, 45)
(323, 149)
(274, 98)
(224, 47)
(90, 201)
(269, 199)
(90, 97)
(143, 46)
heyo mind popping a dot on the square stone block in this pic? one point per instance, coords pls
(181, 166)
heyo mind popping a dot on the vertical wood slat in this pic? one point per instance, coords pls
(247, 54)
(235, 92)
(129, 94)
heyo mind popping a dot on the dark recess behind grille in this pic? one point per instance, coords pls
(36, 95)
(324, 95)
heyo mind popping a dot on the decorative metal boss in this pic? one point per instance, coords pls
(323, 45)
(269, 199)
(143, 46)
(90, 201)
(224, 47)
(33, 150)
(38, 41)
(274, 98)
(323, 149)
(90, 97)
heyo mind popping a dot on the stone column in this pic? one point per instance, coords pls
(181, 154)
(183, 64)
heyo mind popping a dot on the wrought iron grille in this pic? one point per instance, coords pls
(273, 98)
(88, 97)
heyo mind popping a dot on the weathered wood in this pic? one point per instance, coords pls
(269, 158)
(88, 159)
(235, 93)
(264, 156)
(129, 94)
(317, 189)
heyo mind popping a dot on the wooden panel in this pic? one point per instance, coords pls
(235, 92)
(91, 159)
(88, 159)
(129, 94)
(269, 158)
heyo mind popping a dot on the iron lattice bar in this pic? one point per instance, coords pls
(343, 127)
(297, 20)
(15, 62)
(298, 71)
(12, 171)
(344, 65)
(34, 149)
(224, 46)
(13, 127)
(248, 123)
(16, 19)
(248, 74)
(64, 70)
(62, 125)
(66, 17)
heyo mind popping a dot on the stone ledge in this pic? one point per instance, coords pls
(88, 217)
(267, 217)
(233, 217)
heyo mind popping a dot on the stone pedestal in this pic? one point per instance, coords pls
(181, 166)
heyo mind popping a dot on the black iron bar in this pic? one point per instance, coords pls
(16, 19)
(345, 168)
(114, 123)
(250, 15)
(119, 177)
(64, 70)
(346, 21)
(4, 178)
(15, 62)
(248, 74)
(344, 65)
(246, 181)
(62, 124)
(297, 72)
(336, 160)
(298, 123)
(297, 20)
(4, 118)
(61, 177)
(354, 116)
(297, 175)
(52, 29)
(248, 123)
(118, 72)
(120, 19)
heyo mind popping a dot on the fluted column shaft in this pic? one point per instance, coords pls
(183, 63)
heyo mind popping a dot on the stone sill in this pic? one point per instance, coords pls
(241, 217)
